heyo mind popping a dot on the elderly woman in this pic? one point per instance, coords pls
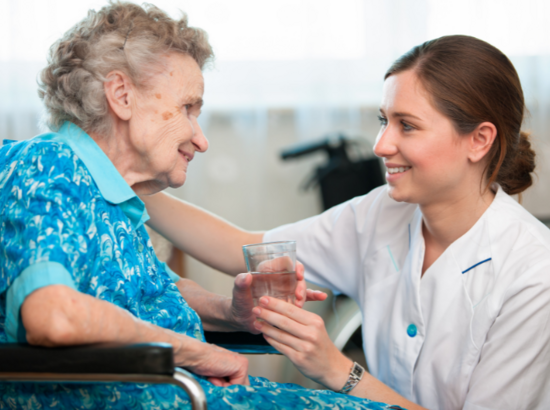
(123, 90)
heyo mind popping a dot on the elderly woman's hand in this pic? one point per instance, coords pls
(57, 315)
(222, 367)
(241, 307)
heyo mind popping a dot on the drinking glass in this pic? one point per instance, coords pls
(273, 269)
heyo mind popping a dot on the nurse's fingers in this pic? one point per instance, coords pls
(316, 295)
(301, 286)
(300, 271)
(286, 309)
(282, 323)
(281, 347)
(279, 335)
(303, 294)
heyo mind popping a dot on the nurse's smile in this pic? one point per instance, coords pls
(395, 171)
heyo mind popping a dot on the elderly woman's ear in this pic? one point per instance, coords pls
(119, 92)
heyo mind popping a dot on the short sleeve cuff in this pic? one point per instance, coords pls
(32, 278)
(270, 236)
(173, 275)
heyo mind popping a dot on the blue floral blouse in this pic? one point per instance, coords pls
(68, 217)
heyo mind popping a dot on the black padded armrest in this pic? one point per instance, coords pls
(235, 338)
(149, 358)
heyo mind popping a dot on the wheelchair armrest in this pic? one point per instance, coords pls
(235, 338)
(147, 358)
(241, 342)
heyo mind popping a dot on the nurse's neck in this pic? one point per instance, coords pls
(445, 221)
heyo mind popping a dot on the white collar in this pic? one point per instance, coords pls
(475, 246)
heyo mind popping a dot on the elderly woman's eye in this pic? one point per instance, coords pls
(383, 121)
(191, 108)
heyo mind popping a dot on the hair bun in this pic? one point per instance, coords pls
(516, 177)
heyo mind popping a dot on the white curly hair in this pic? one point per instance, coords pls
(121, 36)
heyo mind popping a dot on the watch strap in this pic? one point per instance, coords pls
(355, 375)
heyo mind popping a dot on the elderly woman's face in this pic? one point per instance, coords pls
(164, 128)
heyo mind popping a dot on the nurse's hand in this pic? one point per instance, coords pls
(302, 337)
(241, 305)
(303, 294)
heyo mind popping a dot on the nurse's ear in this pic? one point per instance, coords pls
(480, 141)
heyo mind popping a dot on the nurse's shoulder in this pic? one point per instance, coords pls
(377, 213)
(520, 242)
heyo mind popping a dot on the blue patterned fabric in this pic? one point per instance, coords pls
(68, 217)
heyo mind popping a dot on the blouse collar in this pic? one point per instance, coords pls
(107, 178)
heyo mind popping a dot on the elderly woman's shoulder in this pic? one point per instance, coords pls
(40, 159)
(42, 141)
(40, 148)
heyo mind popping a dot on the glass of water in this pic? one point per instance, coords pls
(273, 269)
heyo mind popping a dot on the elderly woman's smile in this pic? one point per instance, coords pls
(156, 133)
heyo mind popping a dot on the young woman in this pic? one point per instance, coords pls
(451, 273)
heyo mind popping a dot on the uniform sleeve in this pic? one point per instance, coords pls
(332, 245)
(512, 372)
(43, 234)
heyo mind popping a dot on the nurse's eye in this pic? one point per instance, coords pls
(383, 121)
(406, 127)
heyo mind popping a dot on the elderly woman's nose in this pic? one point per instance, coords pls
(199, 139)
(385, 145)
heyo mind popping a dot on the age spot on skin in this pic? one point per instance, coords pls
(171, 73)
(158, 96)
(167, 115)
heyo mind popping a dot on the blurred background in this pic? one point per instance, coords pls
(288, 72)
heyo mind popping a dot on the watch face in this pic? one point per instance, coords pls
(357, 370)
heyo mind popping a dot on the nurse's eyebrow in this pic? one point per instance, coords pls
(401, 115)
(405, 114)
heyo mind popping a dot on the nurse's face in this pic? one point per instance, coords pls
(425, 158)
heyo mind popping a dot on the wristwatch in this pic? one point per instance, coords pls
(355, 375)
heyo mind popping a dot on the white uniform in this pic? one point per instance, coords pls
(473, 332)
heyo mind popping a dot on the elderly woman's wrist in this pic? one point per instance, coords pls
(232, 319)
(188, 351)
(180, 355)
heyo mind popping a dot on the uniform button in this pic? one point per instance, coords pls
(411, 330)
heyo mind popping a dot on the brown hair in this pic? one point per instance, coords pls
(471, 82)
(121, 36)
